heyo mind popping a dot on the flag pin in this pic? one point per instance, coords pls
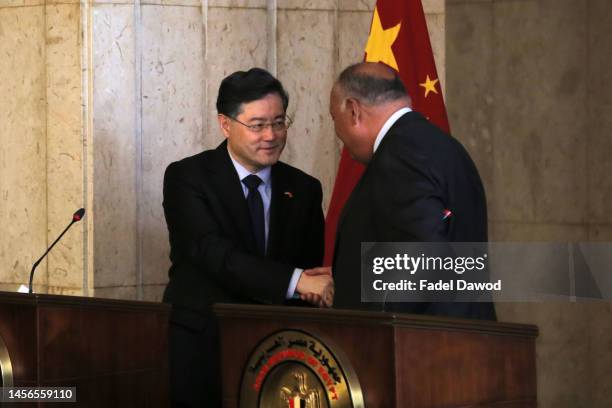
(288, 194)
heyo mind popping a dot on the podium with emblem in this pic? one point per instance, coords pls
(315, 358)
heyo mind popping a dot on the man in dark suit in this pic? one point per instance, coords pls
(414, 174)
(243, 227)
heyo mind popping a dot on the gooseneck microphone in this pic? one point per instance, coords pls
(76, 217)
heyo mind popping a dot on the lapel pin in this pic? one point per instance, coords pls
(288, 194)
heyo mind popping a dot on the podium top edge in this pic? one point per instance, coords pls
(36, 299)
(360, 317)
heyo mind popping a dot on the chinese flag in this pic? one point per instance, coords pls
(398, 38)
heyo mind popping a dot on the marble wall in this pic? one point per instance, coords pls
(528, 93)
(66, 173)
(147, 109)
(115, 149)
(41, 166)
(23, 189)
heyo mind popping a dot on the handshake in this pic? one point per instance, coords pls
(316, 286)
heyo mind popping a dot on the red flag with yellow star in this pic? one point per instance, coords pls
(398, 38)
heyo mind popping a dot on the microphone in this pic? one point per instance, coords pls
(76, 217)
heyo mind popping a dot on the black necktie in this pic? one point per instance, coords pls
(256, 210)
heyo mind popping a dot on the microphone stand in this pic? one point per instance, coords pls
(49, 249)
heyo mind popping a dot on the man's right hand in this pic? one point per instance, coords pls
(316, 286)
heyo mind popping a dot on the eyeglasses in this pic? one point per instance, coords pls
(279, 125)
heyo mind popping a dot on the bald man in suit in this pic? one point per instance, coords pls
(414, 174)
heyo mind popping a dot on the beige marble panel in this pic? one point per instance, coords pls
(436, 25)
(11, 287)
(540, 154)
(600, 233)
(563, 76)
(509, 231)
(434, 6)
(353, 30)
(306, 65)
(572, 357)
(23, 190)
(55, 2)
(118, 2)
(115, 196)
(238, 3)
(469, 94)
(193, 3)
(356, 5)
(237, 41)
(172, 109)
(600, 58)
(600, 348)
(352, 36)
(600, 116)
(64, 291)
(120, 292)
(20, 3)
(153, 293)
(599, 148)
(600, 112)
(563, 366)
(518, 136)
(64, 143)
(307, 4)
(429, 6)
(562, 349)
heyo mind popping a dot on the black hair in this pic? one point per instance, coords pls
(247, 86)
(369, 88)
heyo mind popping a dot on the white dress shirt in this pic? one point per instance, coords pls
(390, 122)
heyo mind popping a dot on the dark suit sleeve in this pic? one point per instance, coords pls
(196, 237)
(409, 198)
(315, 238)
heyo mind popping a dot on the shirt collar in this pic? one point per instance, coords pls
(390, 122)
(264, 174)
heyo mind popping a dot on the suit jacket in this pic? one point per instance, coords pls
(416, 173)
(211, 245)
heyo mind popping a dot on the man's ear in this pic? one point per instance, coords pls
(354, 108)
(224, 124)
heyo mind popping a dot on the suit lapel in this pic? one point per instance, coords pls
(280, 208)
(345, 210)
(228, 187)
(347, 206)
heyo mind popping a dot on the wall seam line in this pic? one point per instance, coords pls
(87, 129)
(46, 127)
(589, 116)
(272, 36)
(138, 144)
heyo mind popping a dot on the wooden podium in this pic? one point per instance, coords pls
(404, 361)
(114, 352)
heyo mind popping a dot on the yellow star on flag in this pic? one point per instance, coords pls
(430, 86)
(378, 48)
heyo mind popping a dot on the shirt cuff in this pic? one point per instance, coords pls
(297, 273)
